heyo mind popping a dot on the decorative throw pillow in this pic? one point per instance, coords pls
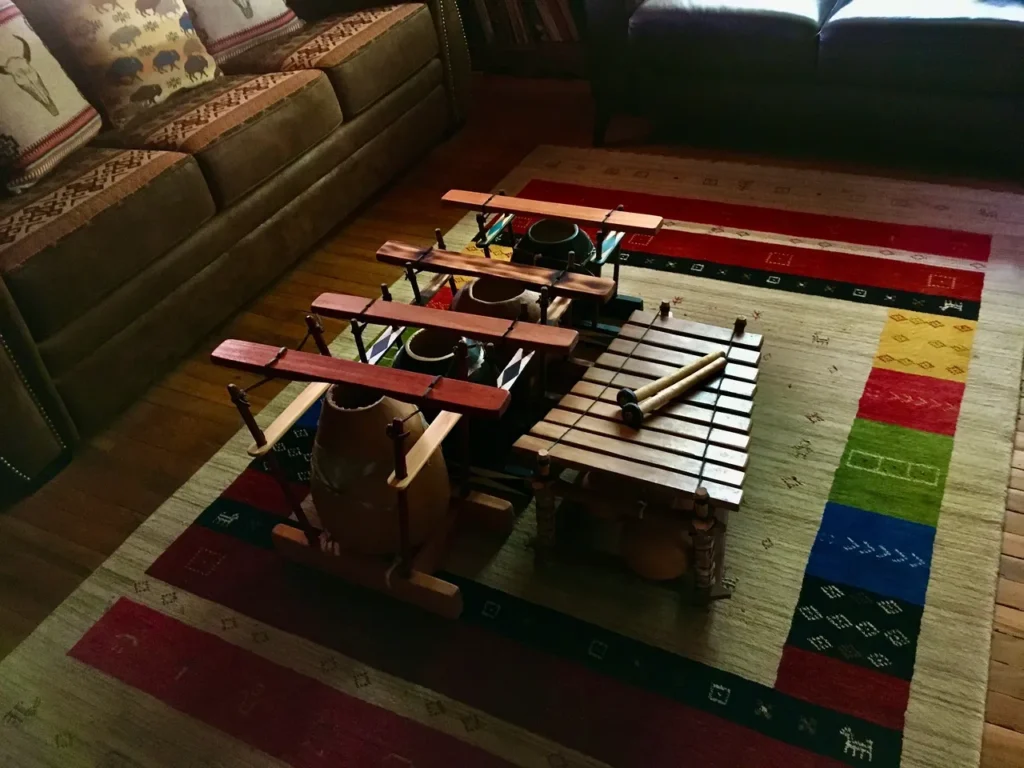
(43, 117)
(133, 54)
(229, 27)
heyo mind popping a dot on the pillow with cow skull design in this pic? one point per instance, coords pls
(229, 27)
(43, 117)
(131, 54)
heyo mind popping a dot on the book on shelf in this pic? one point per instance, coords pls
(521, 23)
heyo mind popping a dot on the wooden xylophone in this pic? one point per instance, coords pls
(693, 449)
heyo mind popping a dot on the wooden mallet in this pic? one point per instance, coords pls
(636, 404)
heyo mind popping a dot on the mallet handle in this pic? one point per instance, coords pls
(649, 390)
(669, 393)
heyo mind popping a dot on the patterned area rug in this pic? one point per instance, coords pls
(863, 558)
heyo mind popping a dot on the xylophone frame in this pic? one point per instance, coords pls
(685, 463)
(409, 575)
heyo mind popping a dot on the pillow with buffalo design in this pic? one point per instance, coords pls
(43, 117)
(230, 27)
(132, 55)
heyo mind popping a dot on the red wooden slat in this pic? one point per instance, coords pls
(572, 285)
(532, 336)
(449, 394)
(611, 219)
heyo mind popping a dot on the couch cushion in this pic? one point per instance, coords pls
(366, 54)
(100, 219)
(241, 129)
(126, 61)
(43, 117)
(968, 45)
(748, 38)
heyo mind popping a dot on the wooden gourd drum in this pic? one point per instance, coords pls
(352, 459)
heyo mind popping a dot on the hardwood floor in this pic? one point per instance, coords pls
(54, 539)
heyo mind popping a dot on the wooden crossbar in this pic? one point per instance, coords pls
(580, 214)
(570, 284)
(530, 336)
(416, 388)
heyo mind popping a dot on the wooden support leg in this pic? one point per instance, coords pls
(316, 332)
(410, 273)
(357, 334)
(544, 497)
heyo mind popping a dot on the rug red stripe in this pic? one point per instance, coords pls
(843, 687)
(905, 237)
(260, 490)
(290, 716)
(563, 701)
(907, 400)
(822, 265)
(957, 284)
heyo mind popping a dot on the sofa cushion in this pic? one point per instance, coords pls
(43, 117)
(101, 218)
(229, 29)
(366, 54)
(132, 57)
(241, 129)
(966, 45)
(746, 38)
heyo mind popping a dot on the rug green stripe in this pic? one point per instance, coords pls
(893, 471)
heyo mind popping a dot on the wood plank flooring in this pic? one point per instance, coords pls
(54, 539)
(1003, 743)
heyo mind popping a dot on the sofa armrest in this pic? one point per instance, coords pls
(35, 429)
(454, 55)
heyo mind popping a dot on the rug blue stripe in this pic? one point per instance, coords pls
(883, 554)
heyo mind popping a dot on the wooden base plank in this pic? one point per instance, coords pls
(1005, 711)
(1010, 593)
(1013, 522)
(1013, 545)
(1001, 747)
(426, 591)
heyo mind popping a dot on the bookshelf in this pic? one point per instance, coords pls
(532, 38)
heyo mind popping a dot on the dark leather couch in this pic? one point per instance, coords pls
(892, 73)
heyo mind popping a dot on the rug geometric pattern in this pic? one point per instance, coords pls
(861, 559)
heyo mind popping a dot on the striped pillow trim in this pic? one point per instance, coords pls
(248, 38)
(65, 141)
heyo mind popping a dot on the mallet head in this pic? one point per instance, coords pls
(632, 415)
(625, 395)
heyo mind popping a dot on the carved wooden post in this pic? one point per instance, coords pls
(547, 523)
(704, 539)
